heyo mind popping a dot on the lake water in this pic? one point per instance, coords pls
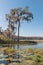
(38, 45)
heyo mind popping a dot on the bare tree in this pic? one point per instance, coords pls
(0, 30)
(17, 15)
(11, 26)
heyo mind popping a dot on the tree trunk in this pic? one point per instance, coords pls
(18, 36)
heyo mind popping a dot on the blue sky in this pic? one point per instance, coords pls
(35, 28)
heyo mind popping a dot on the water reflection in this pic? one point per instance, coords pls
(38, 45)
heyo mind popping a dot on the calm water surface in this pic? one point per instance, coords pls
(38, 45)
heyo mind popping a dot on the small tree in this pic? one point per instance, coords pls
(17, 15)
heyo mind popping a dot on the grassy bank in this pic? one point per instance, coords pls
(27, 56)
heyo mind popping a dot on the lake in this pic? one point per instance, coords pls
(38, 45)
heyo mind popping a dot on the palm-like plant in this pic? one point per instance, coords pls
(17, 15)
